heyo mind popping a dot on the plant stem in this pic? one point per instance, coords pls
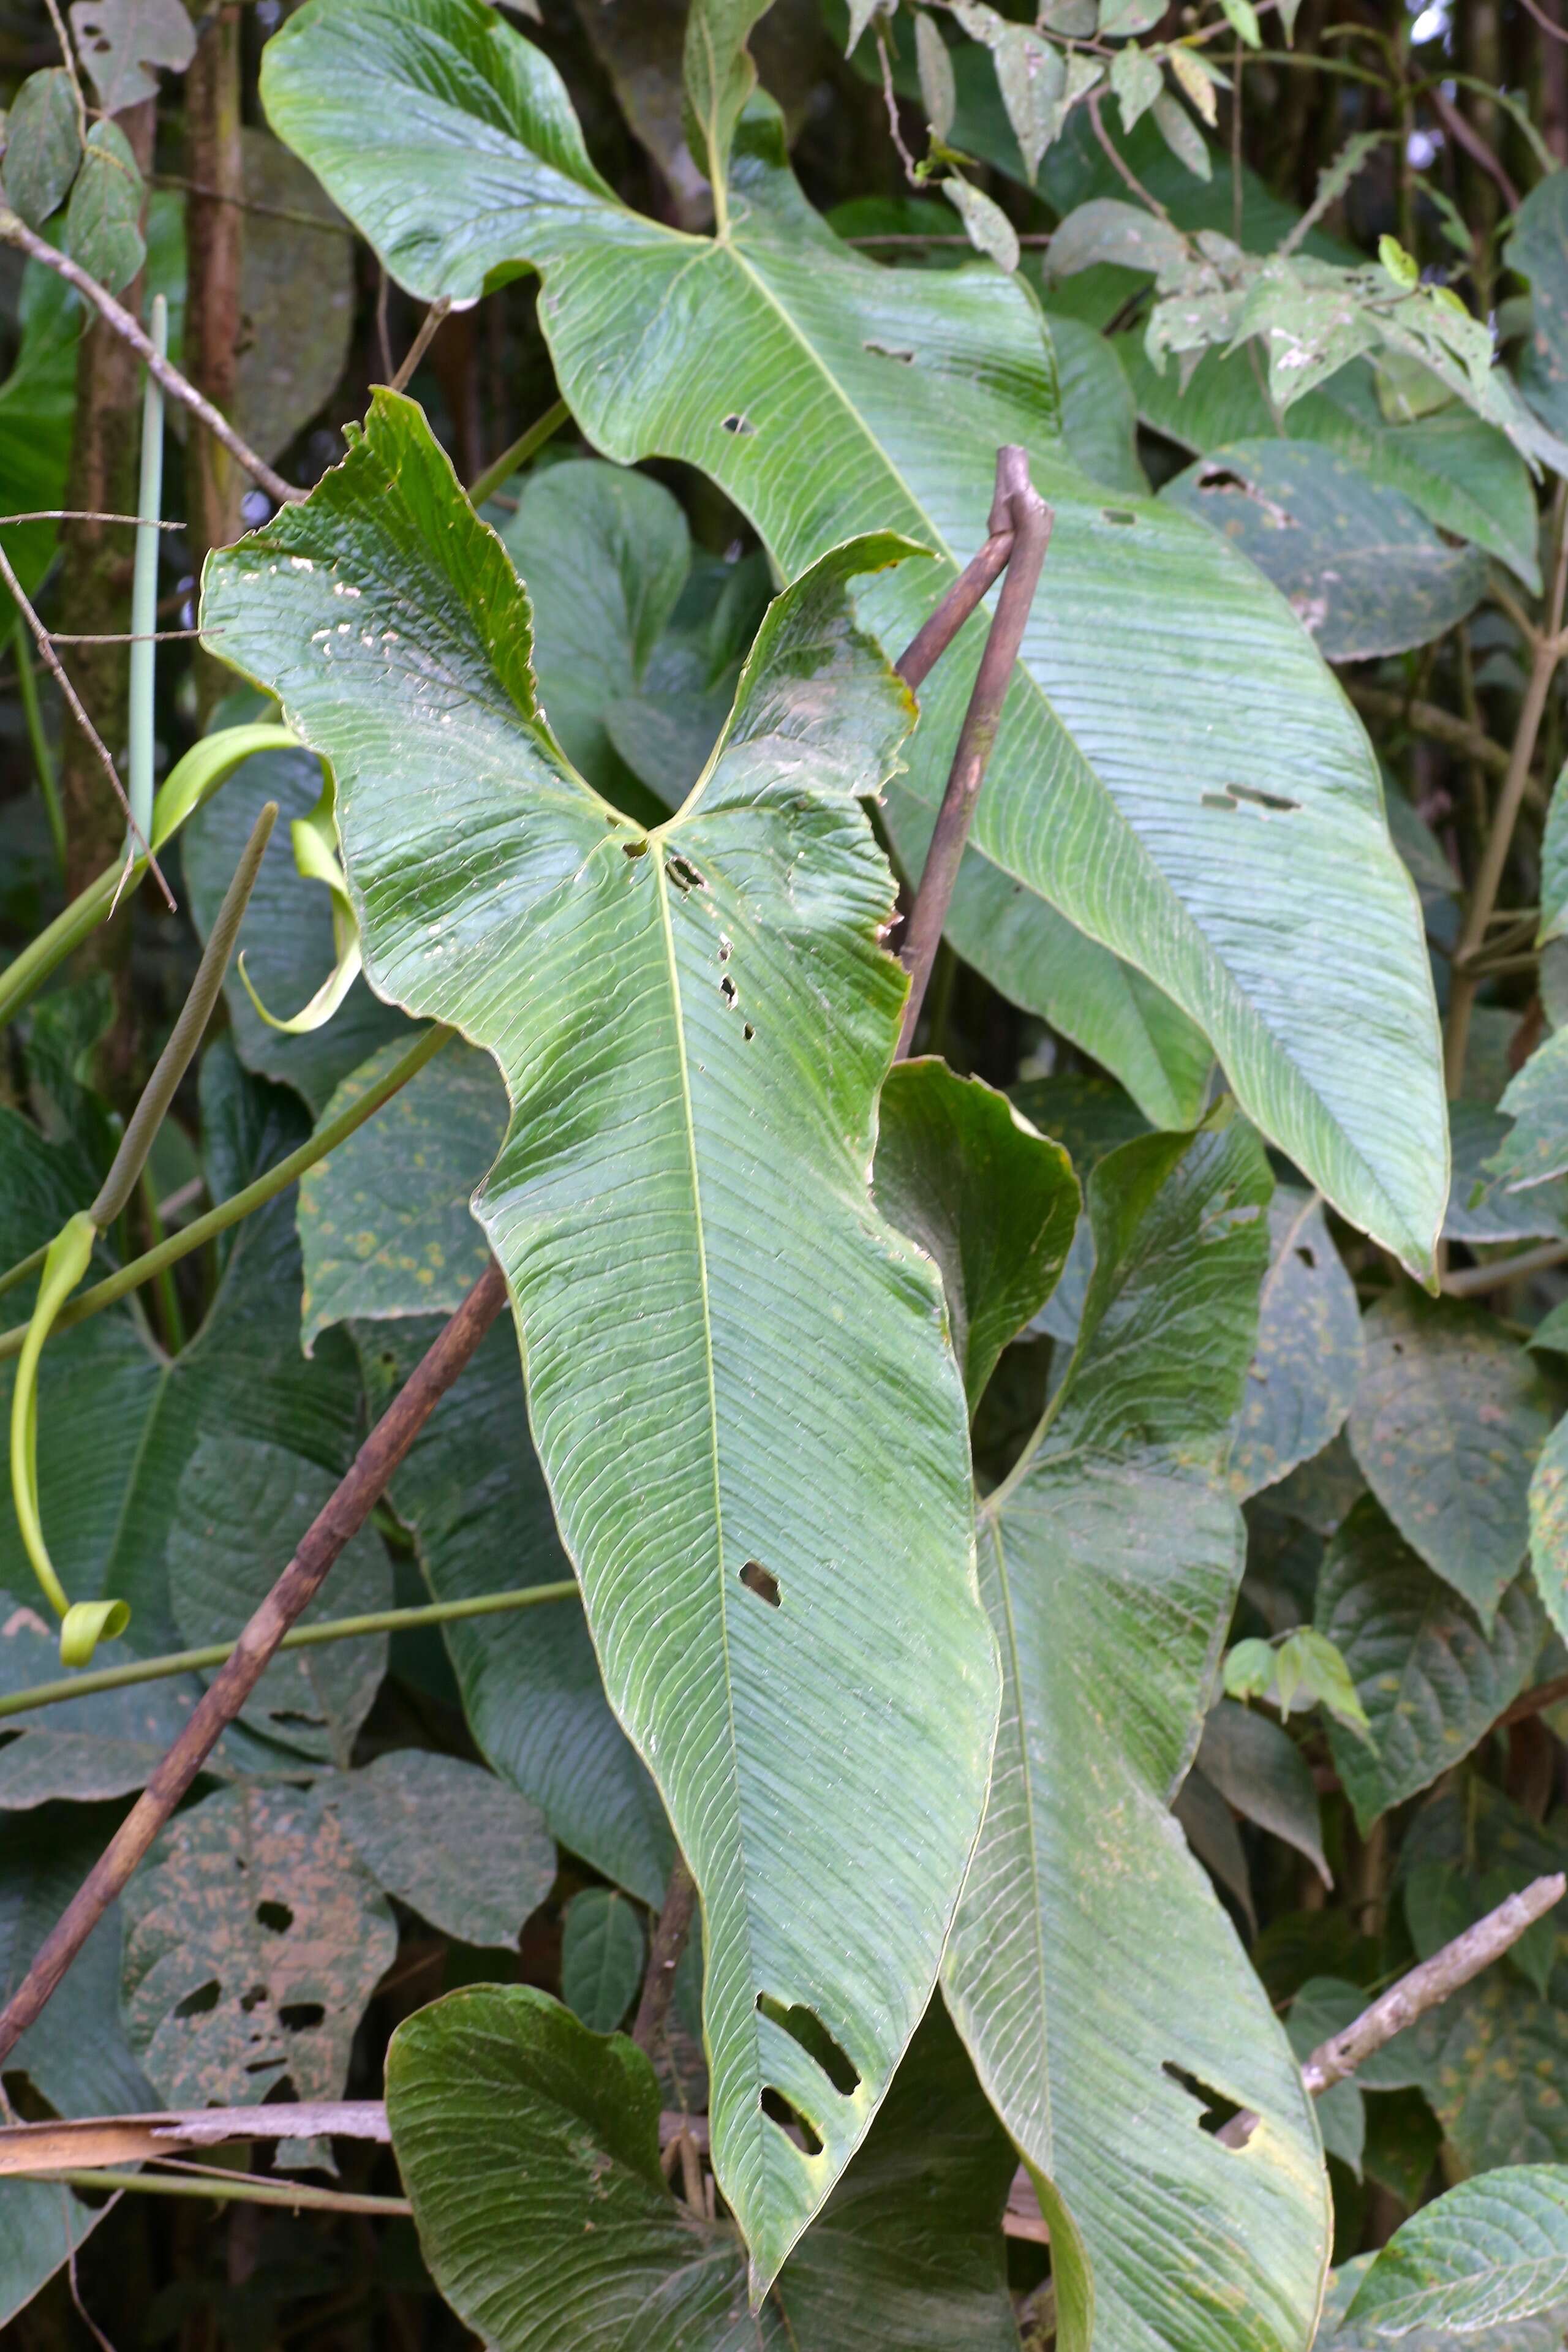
(1431, 720)
(335, 1524)
(144, 591)
(1470, 1281)
(501, 468)
(230, 2189)
(38, 743)
(1016, 500)
(668, 1943)
(299, 1637)
(172, 1321)
(1544, 667)
(239, 1205)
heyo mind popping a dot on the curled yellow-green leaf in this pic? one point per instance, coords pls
(67, 1261)
(315, 841)
(85, 1624)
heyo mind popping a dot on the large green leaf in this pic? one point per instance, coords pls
(602, 1956)
(828, 395)
(1091, 1970)
(1492, 2250)
(1431, 1681)
(1341, 2334)
(694, 1023)
(474, 1496)
(1364, 571)
(1536, 1146)
(1448, 1423)
(963, 1173)
(530, 2148)
(452, 1842)
(1303, 1376)
(1538, 249)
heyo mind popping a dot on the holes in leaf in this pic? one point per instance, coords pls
(303, 2016)
(748, 1032)
(1231, 797)
(804, 2025)
(205, 1998)
(891, 351)
(682, 873)
(276, 1916)
(1119, 515)
(294, 1720)
(1305, 1254)
(726, 949)
(727, 989)
(633, 849)
(738, 425)
(762, 1581)
(789, 2121)
(253, 1999)
(1217, 2110)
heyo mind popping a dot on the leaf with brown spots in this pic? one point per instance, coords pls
(253, 1940)
(1303, 1376)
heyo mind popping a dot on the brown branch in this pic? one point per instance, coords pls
(87, 2140)
(433, 319)
(668, 1943)
(1533, 1702)
(1016, 501)
(1474, 145)
(14, 231)
(339, 1519)
(932, 640)
(1434, 1981)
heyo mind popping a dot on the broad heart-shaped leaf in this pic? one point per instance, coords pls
(452, 1842)
(828, 395)
(1432, 1683)
(1448, 1423)
(965, 1176)
(1365, 572)
(694, 1024)
(386, 1225)
(253, 1940)
(530, 2148)
(1301, 1382)
(473, 1495)
(1091, 1969)
(1492, 2250)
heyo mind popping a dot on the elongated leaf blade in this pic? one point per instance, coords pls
(828, 395)
(739, 1378)
(1091, 1969)
(1492, 2250)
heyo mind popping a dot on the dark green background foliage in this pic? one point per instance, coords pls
(1066, 1536)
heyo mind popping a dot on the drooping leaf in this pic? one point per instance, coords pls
(453, 1843)
(1110, 1560)
(1446, 1426)
(385, 1228)
(291, 352)
(1538, 249)
(287, 935)
(601, 1958)
(1554, 865)
(38, 404)
(1077, 807)
(1549, 1526)
(1258, 1769)
(242, 1505)
(1181, 134)
(1362, 570)
(119, 42)
(509, 2113)
(43, 145)
(118, 1422)
(1303, 1376)
(1459, 470)
(254, 1938)
(714, 1161)
(1536, 1149)
(102, 231)
(994, 1203)
(472, 1492)
(1490, 2250)
(719, 78)
(1482, 1206)
(1431, 1680)
(1209, 1827)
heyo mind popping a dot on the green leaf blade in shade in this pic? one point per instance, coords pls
(1431, 1680)
(1492, 2250)
(1448, 1425)
(236, 1977)
(1536, 1148)
(694, 1024)
(452, 1842)
(1341, 2334)
(386, 1225)
(1258, 1769)
(1302, 1379)
(473, 1495)
(1554, 864)
(1481, 1207)
(603, 1954)
(1549, 1524)
(1364, 571)
(990, 1202)
(1109, 1560)
(848, 397)
(43, 145)
(529, 2150)
(1537, 250)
